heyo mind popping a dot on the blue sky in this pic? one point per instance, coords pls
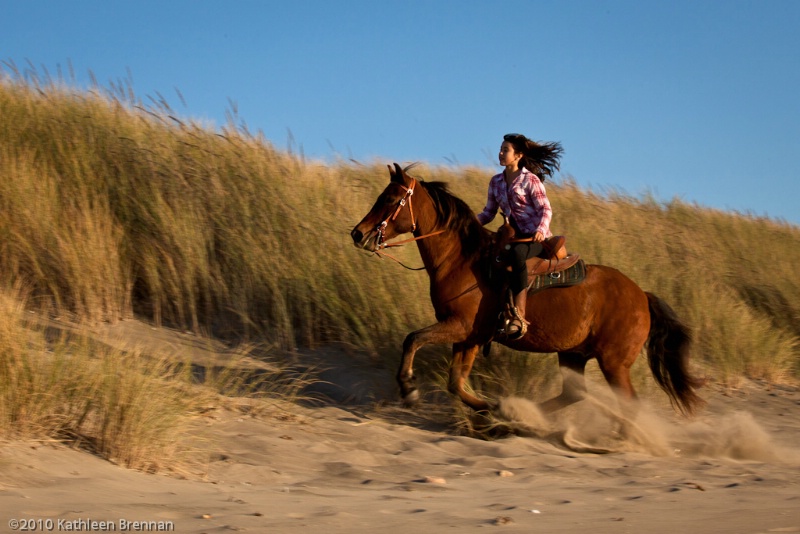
(698, 100)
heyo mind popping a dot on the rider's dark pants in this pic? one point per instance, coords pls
(519, 271)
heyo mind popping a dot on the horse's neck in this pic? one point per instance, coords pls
(452, 275)
(442, 254)
(439, 253)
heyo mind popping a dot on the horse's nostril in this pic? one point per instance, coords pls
(356, 235)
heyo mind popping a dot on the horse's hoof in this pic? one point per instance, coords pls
(411, 399)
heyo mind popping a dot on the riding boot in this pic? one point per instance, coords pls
(518, 326)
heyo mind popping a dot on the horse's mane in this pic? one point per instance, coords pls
(455, 214)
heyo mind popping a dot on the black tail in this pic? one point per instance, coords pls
(668, 354)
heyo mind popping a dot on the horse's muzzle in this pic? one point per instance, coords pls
(363, 241)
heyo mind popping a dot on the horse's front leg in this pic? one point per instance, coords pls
(444, 332)
(463, 357)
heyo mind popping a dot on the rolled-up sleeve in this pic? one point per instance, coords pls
(490, 210)
(542, 207)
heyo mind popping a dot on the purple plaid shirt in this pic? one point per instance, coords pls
(526, 202)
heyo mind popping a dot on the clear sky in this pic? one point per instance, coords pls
(695, 99)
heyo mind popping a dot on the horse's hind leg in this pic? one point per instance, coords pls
(617, 372)
(573, 388)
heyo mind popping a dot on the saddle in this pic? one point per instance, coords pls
(556, 258)
(553, 259)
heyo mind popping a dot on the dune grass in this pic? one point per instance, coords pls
(111, 208)
(122, 406)
(133, 407)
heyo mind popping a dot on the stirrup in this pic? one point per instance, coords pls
(517, 327)
(516, 330)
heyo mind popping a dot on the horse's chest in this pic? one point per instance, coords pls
(466, 303)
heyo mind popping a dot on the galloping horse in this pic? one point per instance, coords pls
(607, 316)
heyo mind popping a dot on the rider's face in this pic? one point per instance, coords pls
(508, 156)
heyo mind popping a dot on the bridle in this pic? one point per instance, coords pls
(381, 228)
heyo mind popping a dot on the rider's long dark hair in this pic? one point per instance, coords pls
(542, 159)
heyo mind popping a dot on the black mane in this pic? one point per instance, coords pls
(455, 214)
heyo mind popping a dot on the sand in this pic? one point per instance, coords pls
(351, 465)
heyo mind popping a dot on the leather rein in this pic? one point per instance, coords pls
(381, 228)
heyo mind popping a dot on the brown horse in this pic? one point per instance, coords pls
(607, 316)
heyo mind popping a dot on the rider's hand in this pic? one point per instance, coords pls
(538, 237)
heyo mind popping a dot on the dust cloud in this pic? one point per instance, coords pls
(595, 425)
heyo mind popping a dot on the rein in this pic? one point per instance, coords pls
(381, 228)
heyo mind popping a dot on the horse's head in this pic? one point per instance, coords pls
(391, 215)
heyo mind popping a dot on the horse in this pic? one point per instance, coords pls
(607, 316)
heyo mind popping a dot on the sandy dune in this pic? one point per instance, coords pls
(351, 467)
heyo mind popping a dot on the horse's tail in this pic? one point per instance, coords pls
(668, 354)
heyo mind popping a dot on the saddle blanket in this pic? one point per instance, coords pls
(570, 277)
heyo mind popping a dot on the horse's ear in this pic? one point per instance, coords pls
(398, 175)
